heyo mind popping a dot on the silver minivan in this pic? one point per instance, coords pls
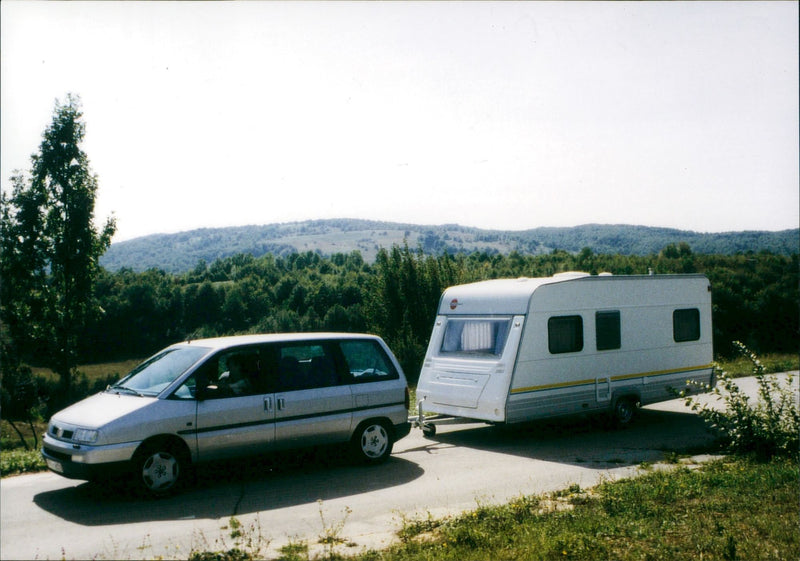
(211, 399)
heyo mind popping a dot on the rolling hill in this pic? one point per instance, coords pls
(180, 252)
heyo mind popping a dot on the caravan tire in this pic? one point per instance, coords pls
(624, 411)
(428, 431)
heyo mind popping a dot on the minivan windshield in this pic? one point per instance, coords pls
(152, 376)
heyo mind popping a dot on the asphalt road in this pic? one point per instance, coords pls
(298, 497)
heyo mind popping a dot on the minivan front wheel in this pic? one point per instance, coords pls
(372, 442)
(158, 468)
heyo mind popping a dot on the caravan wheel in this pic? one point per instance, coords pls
(428, 430)
(624, 411)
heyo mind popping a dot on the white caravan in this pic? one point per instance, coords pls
(513, 350)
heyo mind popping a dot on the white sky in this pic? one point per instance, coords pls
(497, 115)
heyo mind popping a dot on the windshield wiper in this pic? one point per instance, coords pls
(125, 388)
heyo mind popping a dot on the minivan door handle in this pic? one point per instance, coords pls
(267, 404)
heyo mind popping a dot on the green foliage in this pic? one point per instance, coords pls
(50, 250)
(396, 298)
(755, 296)
(20, 461)
(725, 510)
(234, 554)
(769, 428)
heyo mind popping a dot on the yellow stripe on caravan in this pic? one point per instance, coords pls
(613, 379)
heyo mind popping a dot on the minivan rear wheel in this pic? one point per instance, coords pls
(159, 468)
(372, 442)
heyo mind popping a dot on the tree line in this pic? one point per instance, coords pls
(755, 296)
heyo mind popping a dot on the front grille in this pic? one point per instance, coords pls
(58, 455)
(59, 432)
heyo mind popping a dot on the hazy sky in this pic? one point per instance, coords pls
(496, 115)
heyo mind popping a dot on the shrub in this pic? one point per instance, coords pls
(20, 461)
(769, 428)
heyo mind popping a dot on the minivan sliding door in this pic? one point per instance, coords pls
(313, 405)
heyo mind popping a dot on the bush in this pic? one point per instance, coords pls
(769, 428)
(20, 461)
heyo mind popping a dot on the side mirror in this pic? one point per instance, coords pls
(205, 392)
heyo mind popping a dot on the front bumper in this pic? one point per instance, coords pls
(82, 461)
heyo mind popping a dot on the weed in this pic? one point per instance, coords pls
(331, 533)
(294, 551)
(248, 544)
(769, 428)
(415, 527)
(235, 527)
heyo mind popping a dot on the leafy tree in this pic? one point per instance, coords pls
(50, 231)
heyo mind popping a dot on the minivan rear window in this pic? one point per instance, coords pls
(367, 362)
(475, 336)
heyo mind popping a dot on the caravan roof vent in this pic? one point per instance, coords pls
(570, 275)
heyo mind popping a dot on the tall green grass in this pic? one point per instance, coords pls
(727, 510)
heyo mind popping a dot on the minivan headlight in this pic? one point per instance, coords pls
(87, 436)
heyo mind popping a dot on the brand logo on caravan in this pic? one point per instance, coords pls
(453, 303)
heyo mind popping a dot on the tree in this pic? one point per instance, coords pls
(50, 230)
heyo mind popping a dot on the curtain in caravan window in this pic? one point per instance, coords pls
(475, 336)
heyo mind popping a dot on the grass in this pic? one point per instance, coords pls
(94, 371)
(730, 509)
(741, 366)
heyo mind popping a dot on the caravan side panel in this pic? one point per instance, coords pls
(572, 360)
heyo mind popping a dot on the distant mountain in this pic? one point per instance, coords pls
(176, 253)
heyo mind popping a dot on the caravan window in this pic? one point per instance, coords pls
(686, 325)
(475, 336)
(565, 334)
(608, 330)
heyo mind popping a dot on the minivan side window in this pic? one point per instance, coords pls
(234, 373)
(306, 365)
(565, 334)
(686, 325)
(607, 327)
(367, 362)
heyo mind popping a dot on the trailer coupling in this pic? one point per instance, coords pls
(428, 428)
